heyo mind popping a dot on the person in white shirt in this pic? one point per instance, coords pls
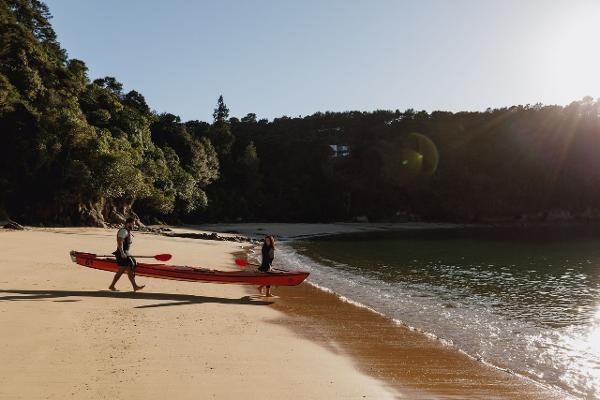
(124, 260)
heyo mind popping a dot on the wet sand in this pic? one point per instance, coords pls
(412, 363)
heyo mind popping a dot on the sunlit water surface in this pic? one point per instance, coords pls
(524, 300)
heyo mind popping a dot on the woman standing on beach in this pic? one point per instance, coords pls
(268, 254)
(124, 260)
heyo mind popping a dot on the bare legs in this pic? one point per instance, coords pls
(268, 293)
(131, 279)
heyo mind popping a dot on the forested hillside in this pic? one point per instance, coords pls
(81, 151)
(76, 151)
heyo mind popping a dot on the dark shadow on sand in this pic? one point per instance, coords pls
(64, 296)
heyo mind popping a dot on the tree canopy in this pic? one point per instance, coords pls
(81, 151)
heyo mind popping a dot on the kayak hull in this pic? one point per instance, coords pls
(194, 274)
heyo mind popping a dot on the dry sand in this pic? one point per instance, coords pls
(63, 336)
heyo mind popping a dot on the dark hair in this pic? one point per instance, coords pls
(130, 219)
(272, 239)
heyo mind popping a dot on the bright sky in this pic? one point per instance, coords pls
(296, 57)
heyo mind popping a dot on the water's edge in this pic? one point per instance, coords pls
(322, 275)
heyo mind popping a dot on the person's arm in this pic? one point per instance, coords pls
(120, 246)
(264, 252)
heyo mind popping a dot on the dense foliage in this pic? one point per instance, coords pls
(533, 162)
(81, 152)
(76, 151)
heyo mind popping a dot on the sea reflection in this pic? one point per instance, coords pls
(528, 302)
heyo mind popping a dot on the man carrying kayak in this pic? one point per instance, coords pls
(124, 260)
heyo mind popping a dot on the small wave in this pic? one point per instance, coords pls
(470, 326)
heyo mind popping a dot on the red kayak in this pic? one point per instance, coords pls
(194, 274)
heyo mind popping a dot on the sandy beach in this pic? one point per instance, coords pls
(65, 336)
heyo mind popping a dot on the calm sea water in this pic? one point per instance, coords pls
(524, 300)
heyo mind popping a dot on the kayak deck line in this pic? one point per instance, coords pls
(193, 274)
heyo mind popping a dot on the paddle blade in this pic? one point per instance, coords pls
(241, 263)
(163, 257)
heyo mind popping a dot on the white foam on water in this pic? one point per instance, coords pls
(471, 324)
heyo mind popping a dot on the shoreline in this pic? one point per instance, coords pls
(298, 231)
(409, 360)
(457, 373)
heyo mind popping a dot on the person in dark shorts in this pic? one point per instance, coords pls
(124, 260)
(268, 254)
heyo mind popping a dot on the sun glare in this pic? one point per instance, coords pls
(573, 60)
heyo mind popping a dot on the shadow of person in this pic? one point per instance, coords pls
(167, 299)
